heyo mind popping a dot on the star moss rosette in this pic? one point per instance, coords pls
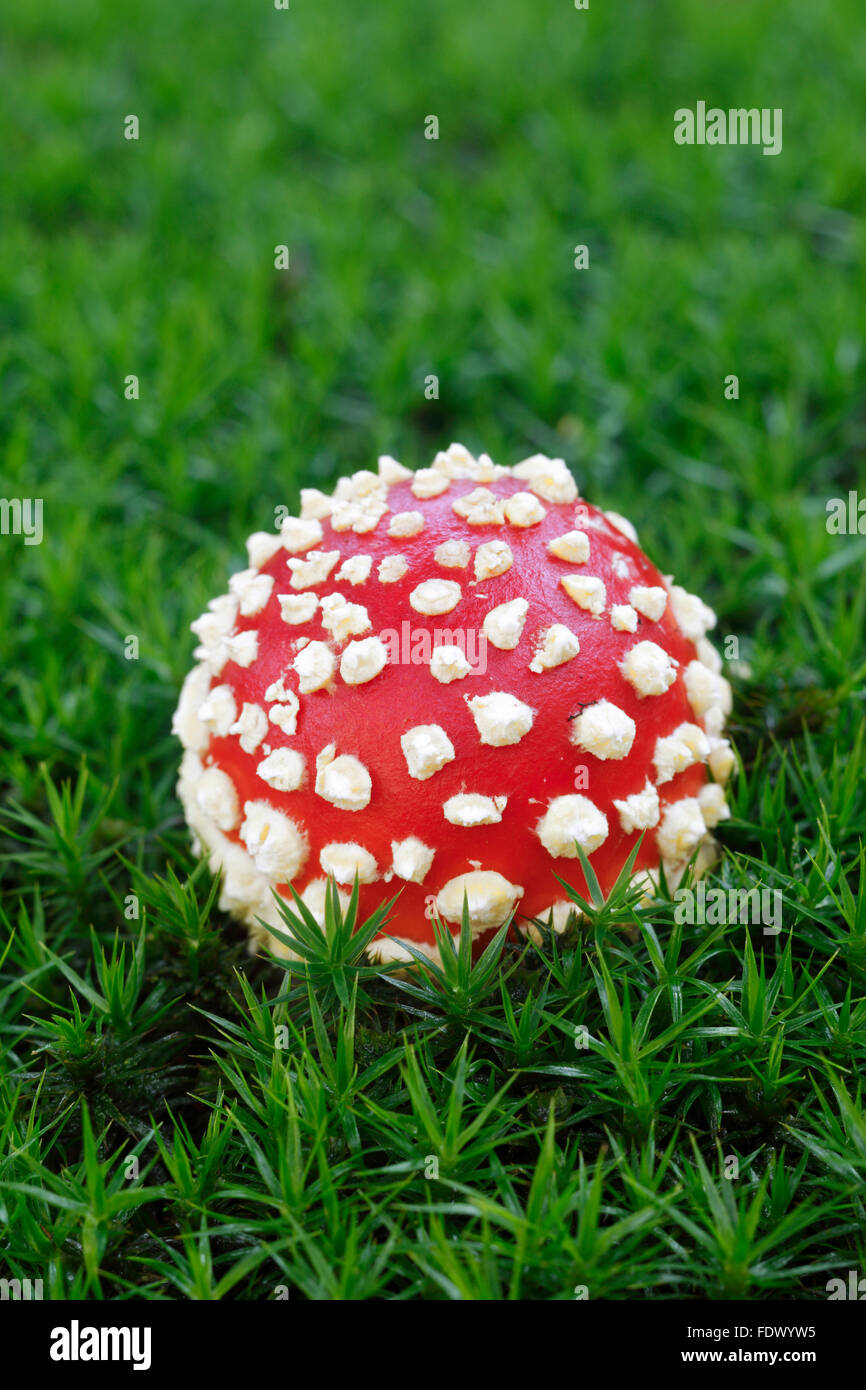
(444, 682)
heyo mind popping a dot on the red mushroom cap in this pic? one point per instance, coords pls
(443, 681)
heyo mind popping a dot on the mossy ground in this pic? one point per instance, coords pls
(312, 1164)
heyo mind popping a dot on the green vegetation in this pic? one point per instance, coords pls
(581, 1102)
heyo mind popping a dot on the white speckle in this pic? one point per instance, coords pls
(623, 525)
(481, 507)
(392, 568)
(252, 725)
(492, 558)
(384, 950)
(549, 478)
(586, 591)
(361, 661)
(285, 717)
(623, 618)
(219, 710)
(470, 808)
(263, 920)
(404, 524)
(503, 625)
(714, 807)
(217, 798)
(315, 505)
(243, 649)
(345, 514)
(709, 694)
(315, 666)
(501, 719)
(360, 486)
(214, 651)
(355, 570)
(314, 570)
(426, 748)
(278, 847)
(692, 614)
(649, 599)
(619, 565)
(285, 714)
(427, 483)
(215, 625)
(299, 535)
(688, 744)
(452, 555)
(701, 686)
(457, 462)
(604, 730)
(708, 655)
(649, 669)
(242, 883)
(573, 546)
(344, 860)
(558, 645)
(342, 619)
(263, 546)
(391, 472)
(343, 780)
(523, 509)
(411, 859)
(297, 608)
(640, 811)
(682, 829)
(448, 663)
(557, 916)
(695, 738)
(435, 596)
(714, 721)
(190, 771)
(278, 690)
(206, 833)
(490, 899)
(647, 881)
(361, 516)
(571, 821)
(721, 759)
(315, 898)
(283, 770)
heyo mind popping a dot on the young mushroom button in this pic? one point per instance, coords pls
(447, 685)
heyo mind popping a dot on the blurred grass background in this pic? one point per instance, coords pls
(409, 257)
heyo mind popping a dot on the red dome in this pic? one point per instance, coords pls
(441, 680)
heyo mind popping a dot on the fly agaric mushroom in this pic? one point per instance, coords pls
(443, 682)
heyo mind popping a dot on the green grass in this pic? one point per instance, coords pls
(581, 1103)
